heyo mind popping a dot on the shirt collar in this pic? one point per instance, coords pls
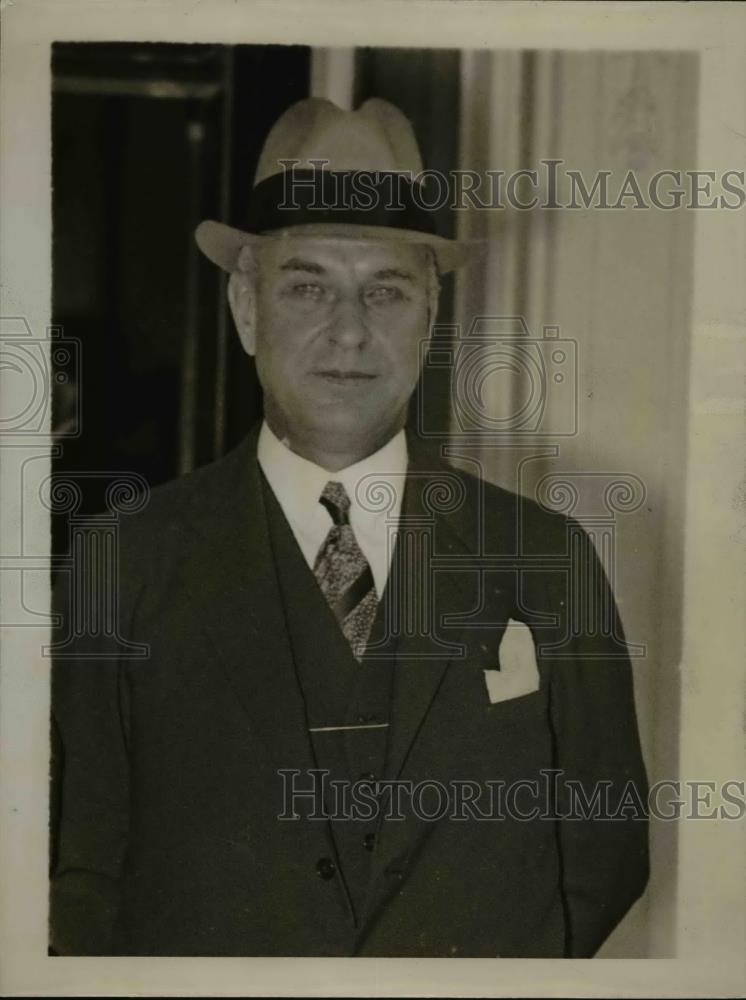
(297, 483)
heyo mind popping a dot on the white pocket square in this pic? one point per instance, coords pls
(518, 673)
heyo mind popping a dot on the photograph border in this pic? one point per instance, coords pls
(710, 917)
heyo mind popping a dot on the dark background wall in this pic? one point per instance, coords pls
(147, 140)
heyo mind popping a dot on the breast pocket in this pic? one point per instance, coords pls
(516, 673)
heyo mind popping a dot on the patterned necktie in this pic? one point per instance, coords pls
(343, 572)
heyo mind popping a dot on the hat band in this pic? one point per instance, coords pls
(353, 197)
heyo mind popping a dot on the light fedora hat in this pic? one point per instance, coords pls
(302, 184)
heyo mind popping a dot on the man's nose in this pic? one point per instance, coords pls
(349, 327)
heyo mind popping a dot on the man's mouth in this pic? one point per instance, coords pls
(344, 376)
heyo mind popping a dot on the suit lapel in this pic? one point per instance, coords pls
(239, 599)
(419, 596)
(435, 523)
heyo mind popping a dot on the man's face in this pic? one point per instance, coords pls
(337, 332)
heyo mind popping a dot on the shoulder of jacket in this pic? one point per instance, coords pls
(512, 518)
(170, 506)
(495, 497)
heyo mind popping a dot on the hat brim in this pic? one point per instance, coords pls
(222, 244)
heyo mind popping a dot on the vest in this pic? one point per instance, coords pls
(338, 692)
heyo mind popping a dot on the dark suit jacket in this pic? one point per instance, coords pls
(168, 841)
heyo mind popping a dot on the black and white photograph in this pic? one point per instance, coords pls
(372, 461)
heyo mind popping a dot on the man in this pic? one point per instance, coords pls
(330, 608)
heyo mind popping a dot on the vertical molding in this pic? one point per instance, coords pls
(490, 141)
(472, 224)
(551, 67)
(710, 873)
(503, 154)
(223, 332)
(333, 75)
(535, 257)
(528, 102)
(195, 131)
(667, 685)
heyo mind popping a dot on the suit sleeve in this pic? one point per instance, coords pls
(89, 791)
(603, 841)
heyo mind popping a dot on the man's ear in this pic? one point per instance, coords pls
(242, 300)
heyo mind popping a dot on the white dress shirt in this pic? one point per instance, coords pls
(374, 514)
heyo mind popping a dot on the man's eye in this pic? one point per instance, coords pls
(308, 290)
(385, 293)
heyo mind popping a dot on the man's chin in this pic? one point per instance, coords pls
(350, 429)
(331, 423)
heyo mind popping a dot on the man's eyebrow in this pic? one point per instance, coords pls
(298, 264)
(393, 272)
(311, 267)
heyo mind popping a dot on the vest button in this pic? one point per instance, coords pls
(369, 841)
(325, 868)
(367, 776)
(363, 719)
